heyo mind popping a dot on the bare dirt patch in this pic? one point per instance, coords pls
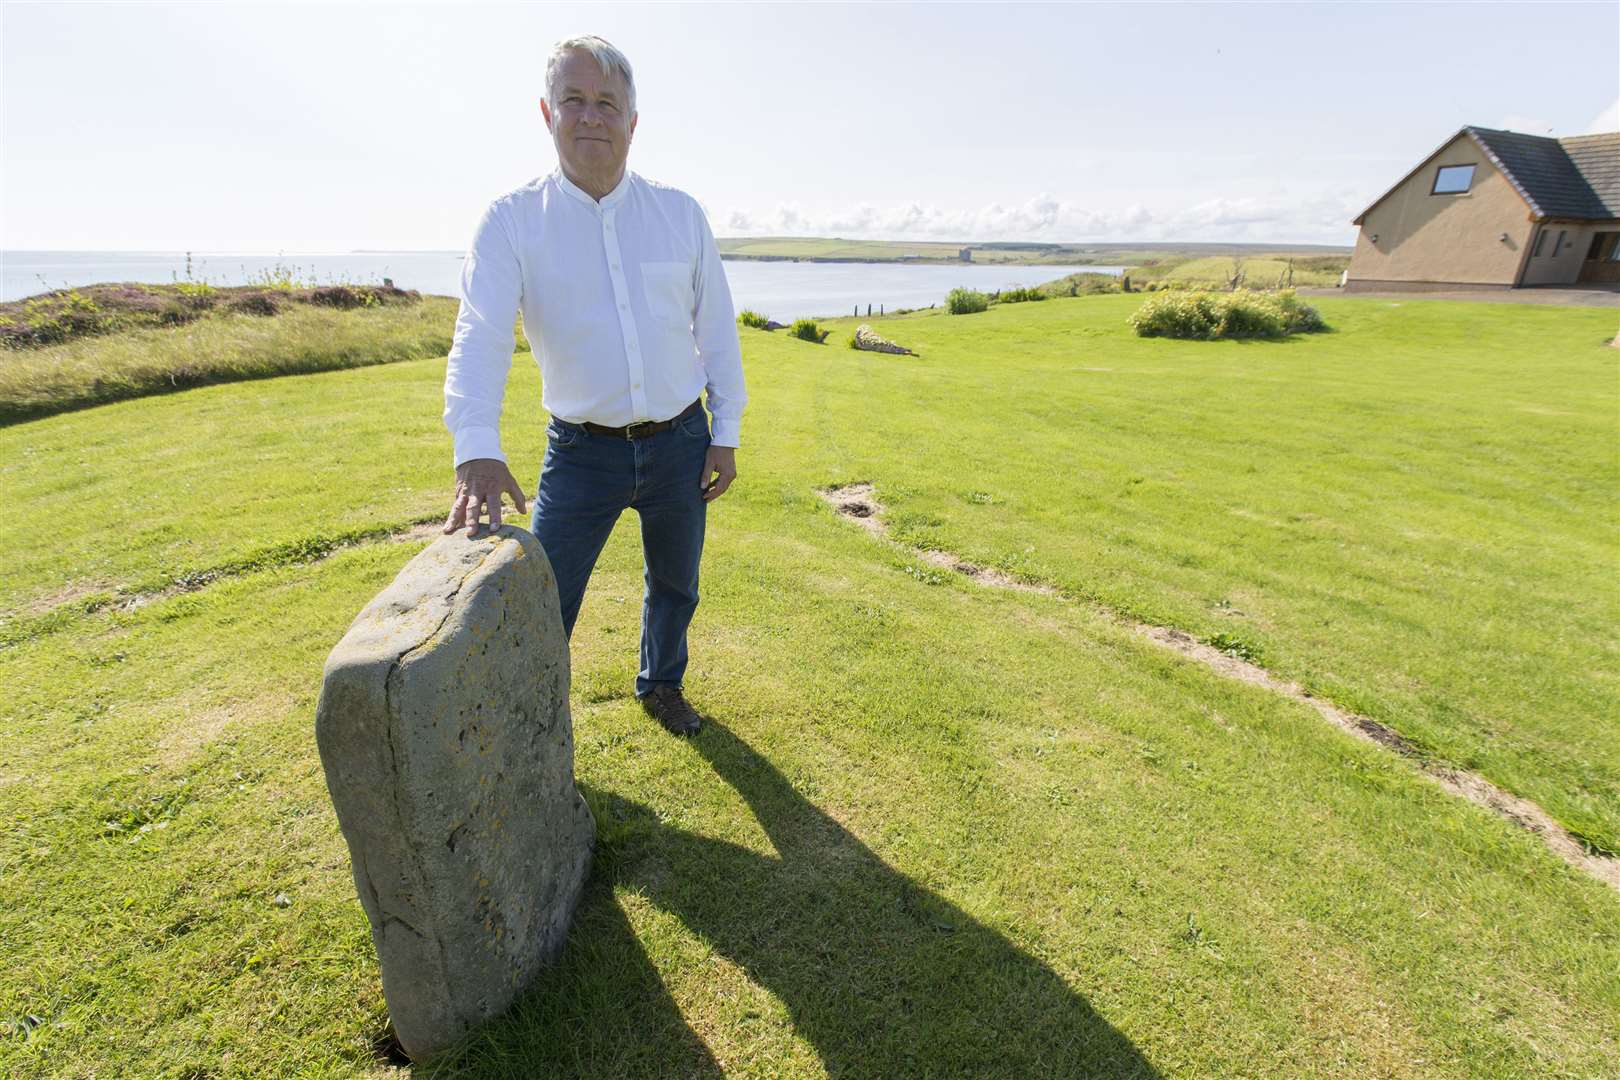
(422, 530)
(858, 502)
(195, 731)
(67, 594)
(189, 583)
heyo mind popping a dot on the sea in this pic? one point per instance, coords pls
(778, 290)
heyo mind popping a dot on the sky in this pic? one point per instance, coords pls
(332, 127)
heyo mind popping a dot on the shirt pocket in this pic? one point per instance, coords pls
(668, 287)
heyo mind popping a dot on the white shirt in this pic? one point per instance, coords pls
(625, 306)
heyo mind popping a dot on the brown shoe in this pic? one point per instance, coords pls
(666, 705)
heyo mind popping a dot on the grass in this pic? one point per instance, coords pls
(933, 828)
(1259, 271)
(220, 347)
(1376, 508)
(1080, 284)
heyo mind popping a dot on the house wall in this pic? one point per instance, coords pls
(1446, 238)
(1565, 267)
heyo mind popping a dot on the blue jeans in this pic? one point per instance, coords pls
(586, 481)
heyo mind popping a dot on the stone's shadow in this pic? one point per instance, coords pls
(879, 974)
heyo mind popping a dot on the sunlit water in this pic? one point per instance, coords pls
(780, 290)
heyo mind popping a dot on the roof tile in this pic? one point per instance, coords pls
(1576, 177)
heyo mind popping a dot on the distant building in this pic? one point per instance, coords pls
(1497, 209)
(966, 254)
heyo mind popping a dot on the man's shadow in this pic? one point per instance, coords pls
(880, 975)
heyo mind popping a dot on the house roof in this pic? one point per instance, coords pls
(1573, 178)
(1560, 178)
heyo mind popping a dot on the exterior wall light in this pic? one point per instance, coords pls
(1373, 238)
(1504, 238)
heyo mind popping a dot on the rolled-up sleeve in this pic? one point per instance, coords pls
(714, 325)
(481, 350)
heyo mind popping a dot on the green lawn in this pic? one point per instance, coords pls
(933, 828)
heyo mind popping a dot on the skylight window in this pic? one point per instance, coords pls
(1453, 179)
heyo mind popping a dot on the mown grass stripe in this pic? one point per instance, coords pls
(309, 549)
(858, 502)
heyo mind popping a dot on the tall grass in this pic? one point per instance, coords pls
(1216, 271)
(221, 348)
(807, 330)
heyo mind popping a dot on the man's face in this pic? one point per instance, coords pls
(592, 122)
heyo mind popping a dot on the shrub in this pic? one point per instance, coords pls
(807, 330)
(752, 319)
(965, 301)
(1018, 295)
(1084, 283)
(69, 314)
(1298, 316)
(1246, 317)
(343, 297)
(53, 318)
(1186, 315)
(199, 294)
(255, 304)
(1242, 314)
(176, 313)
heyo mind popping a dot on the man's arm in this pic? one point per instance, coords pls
(475, 379)
(714, 326)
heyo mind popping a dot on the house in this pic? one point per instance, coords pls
(1496, 209)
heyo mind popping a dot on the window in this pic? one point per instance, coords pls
(1453, 180)
(1541, 240)
(1596, 250)
(1559, 246)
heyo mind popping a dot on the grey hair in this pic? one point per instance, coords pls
(609, 57)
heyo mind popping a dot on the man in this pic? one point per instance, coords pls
(627, 310)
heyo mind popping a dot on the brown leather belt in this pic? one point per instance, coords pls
(643, 428)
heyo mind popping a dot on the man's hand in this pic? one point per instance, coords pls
(480, 484)
(719, 470)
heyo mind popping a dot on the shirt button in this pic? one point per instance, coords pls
(624, 307)
(635, 386)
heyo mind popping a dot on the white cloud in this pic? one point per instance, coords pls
(1044, 217)
(1606, 121)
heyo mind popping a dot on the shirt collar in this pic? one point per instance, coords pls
(612, 198)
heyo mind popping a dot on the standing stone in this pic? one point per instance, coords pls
(444, 731)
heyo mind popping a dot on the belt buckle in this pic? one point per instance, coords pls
(630, 429)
